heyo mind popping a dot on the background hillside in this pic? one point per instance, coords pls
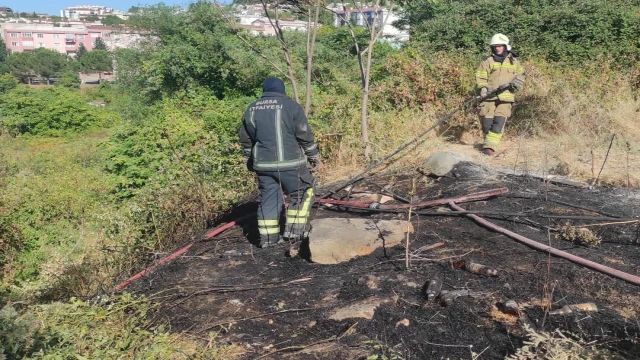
(89, 194)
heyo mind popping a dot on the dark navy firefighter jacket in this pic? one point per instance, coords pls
(275, 133)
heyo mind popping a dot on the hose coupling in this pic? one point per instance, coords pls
(374, 205)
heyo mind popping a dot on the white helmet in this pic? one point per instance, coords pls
(500, 39)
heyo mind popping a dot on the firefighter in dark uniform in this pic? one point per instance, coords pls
(277, 143)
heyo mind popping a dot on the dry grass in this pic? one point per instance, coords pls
(563, 123)
(496, 315)
(578, 235)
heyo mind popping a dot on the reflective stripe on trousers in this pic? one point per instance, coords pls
(299, 214)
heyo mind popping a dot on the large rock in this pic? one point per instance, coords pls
(441, 162)
(336, 240)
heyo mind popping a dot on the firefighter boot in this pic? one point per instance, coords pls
(295, 232)
(270, 240)
(486, 125)
(492, 138)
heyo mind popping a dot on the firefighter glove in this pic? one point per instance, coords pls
(483, 92)
(314, 162)
(517, 83)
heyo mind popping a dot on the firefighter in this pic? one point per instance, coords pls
(500, 68)
(277, 143)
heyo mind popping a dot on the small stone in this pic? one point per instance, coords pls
(362, 309)
(370, 281)
(270, 322)
(412, 284)
(236, 302)
(312, 324)
(403, 322)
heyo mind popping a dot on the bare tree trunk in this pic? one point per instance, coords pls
(311, 41)
(285, 48)
(365, 93)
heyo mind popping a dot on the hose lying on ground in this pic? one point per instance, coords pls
(553, 251)
(180, 251)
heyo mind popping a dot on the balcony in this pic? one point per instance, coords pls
(70, 40)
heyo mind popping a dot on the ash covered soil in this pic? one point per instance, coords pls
(276, 307)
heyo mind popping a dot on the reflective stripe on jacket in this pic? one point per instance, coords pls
(276, 134)
(492, 74)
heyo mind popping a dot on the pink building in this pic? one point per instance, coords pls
(64, 39)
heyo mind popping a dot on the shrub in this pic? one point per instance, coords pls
(7, 82)
(69, 80)
(51, 112)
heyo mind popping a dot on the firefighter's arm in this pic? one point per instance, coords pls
(304, 135)
(246, 141)
(518, 81)
(482, 75)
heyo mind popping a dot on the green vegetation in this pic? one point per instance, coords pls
(88, 193)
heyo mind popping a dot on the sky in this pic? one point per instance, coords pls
(53, 7)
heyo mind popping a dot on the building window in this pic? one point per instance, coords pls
(40, 36)
(56, 44)
(56, 36)
(81, 37)
(14, 43)
(95, 35)
(40, 44)
(70, 45)
(14, 35)
(27, 43)
(27, 34)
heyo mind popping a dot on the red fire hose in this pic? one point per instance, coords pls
(179, 252)
(459, 199)
(559, 253)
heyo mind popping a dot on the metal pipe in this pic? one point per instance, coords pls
(182, 250)
(464, 198)
(553, 251)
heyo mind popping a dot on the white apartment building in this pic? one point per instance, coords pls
(80, 12)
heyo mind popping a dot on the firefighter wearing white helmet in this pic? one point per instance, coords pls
(502, 67)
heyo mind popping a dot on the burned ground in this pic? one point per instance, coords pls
(279, 307)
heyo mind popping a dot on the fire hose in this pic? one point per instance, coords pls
(553, 251)
(182, 250)
(359, 176)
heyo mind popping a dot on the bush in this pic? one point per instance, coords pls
(7, 82)
(566, 31)
(114, 328)
(69, 80)
(50, 112)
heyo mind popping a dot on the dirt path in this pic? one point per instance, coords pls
(277, 307)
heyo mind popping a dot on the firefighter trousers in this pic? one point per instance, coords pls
(298, 185)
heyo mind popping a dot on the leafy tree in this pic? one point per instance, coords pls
(7, 82)
(194, 48)
(99, 44)
(81, 51)
(4, 53)
(69, 80)
(40, 62)
(111, 20)
(568, 31)
(96, 61)
(92, 18)
(53, 111)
